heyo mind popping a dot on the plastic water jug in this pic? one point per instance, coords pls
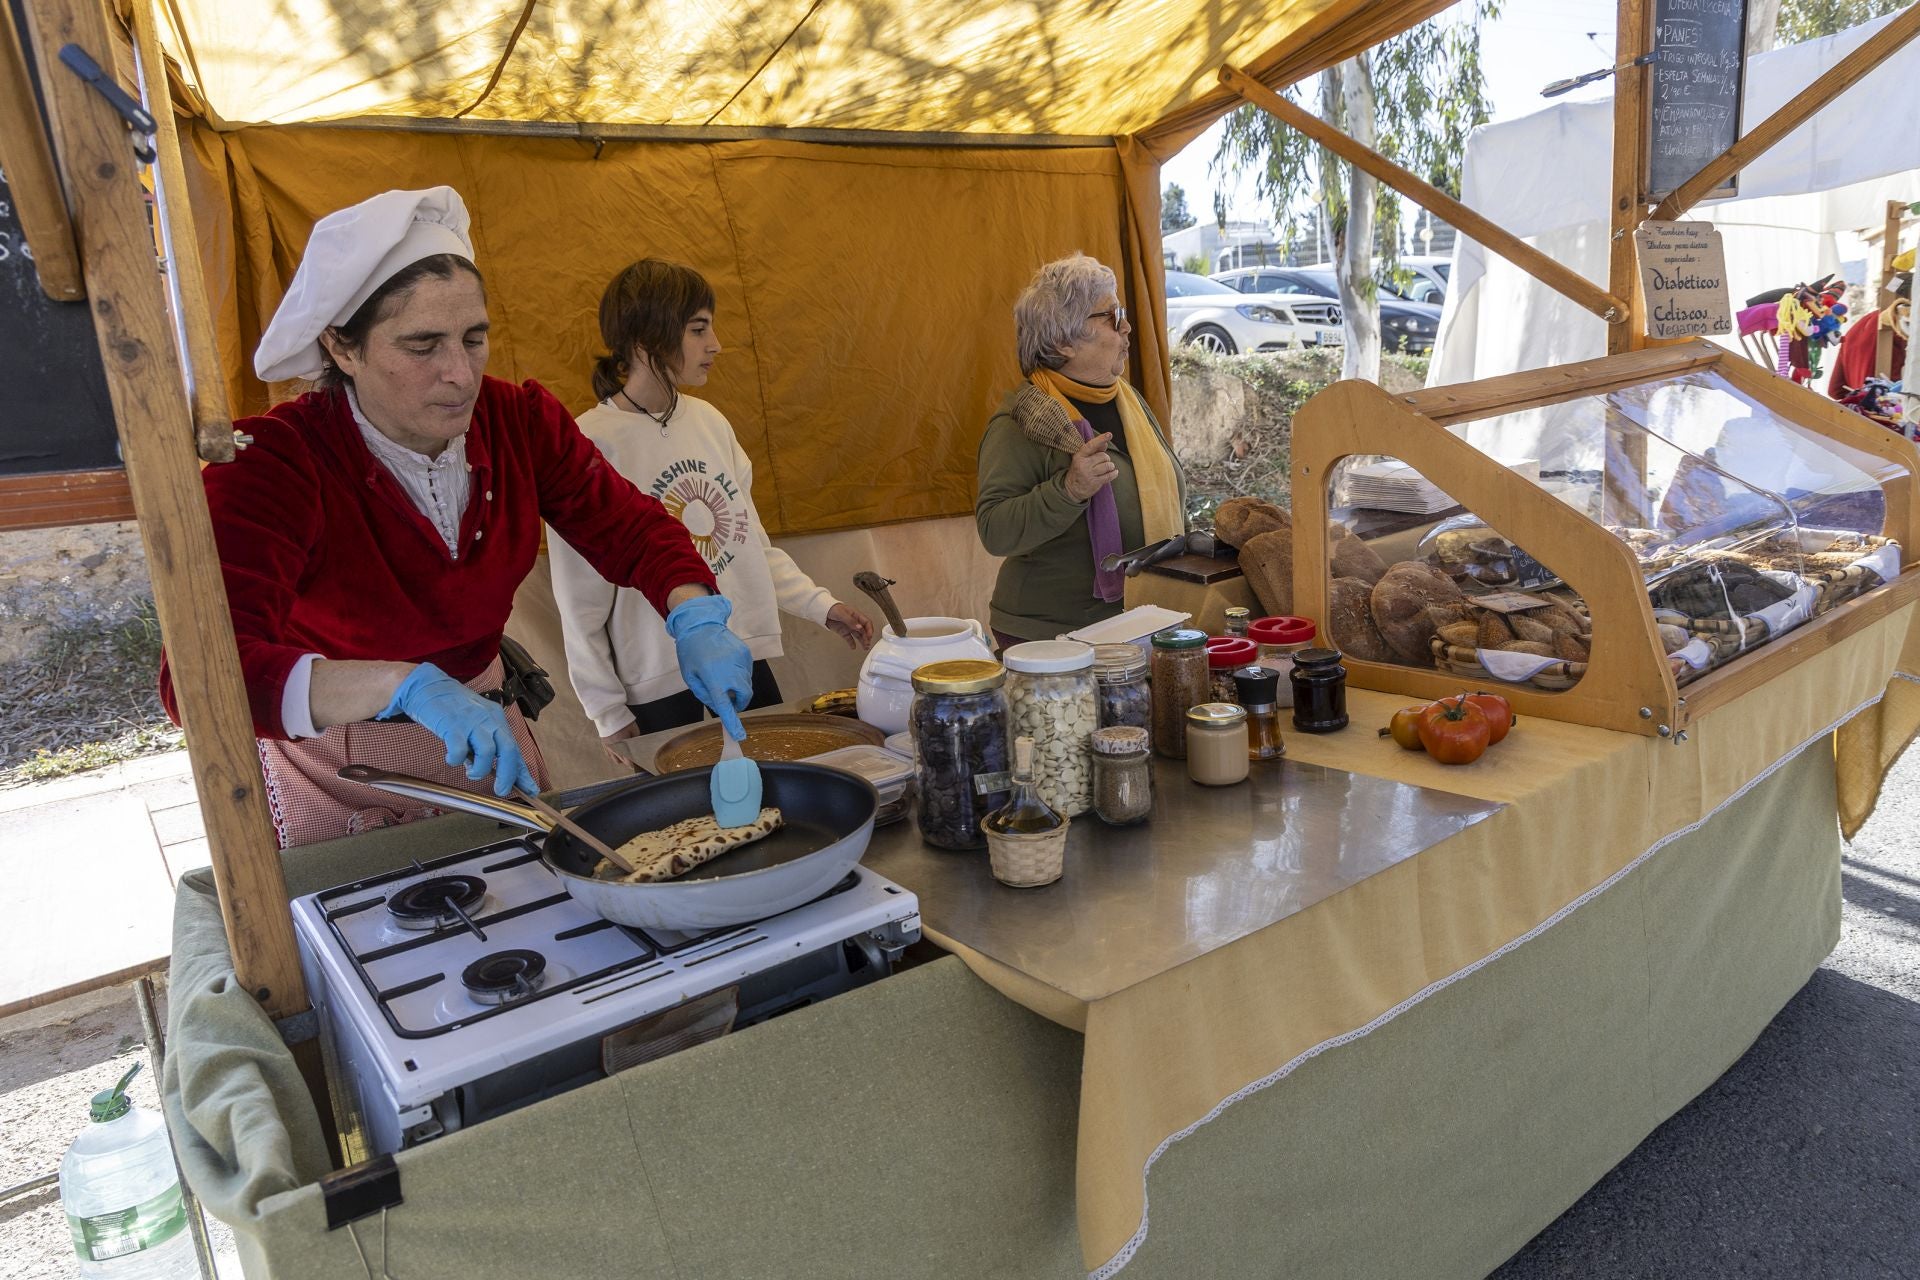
(886, 691)
(121, 1192)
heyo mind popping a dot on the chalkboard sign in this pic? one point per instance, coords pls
(58, 416)
(1695, 88)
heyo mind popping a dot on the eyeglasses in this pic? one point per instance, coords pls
(1115, 316)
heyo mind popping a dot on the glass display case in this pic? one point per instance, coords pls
(1603, 541)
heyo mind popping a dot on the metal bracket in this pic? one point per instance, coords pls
(137, 119)
(370, 1187)
(298, 1028)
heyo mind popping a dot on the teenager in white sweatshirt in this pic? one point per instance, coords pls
(657, 321)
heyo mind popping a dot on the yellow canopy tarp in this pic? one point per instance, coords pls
(868, 186)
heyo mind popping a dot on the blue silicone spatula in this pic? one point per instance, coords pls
(735, 784)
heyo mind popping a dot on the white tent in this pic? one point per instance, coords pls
(1547, 177)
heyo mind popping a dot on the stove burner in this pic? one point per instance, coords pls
(435, 903)
(504, 976)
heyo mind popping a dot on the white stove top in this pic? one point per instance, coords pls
(565, 973)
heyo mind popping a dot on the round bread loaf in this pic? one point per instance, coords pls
(1350, 621)
(1238, 521)
(1400, 602)
(1353, 558)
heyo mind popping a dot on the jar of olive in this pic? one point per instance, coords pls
(959, 722)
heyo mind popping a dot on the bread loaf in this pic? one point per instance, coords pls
(1237, 521)
(1572, 648)
(1400, 602)
(1533, 647)
(1462, 635)
(1350, 621)
(1354, 558)
(1267, 561)
(1494, 630)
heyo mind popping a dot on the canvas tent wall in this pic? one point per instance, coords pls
(1546, 176)
(868, 185)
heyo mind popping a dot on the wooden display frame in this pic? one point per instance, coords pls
(1627, 685)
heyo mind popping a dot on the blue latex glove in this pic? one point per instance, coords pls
(474, 728)
(714, 662)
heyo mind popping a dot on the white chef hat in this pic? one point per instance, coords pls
(350, 254)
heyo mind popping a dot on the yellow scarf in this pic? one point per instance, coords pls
(1155, 471)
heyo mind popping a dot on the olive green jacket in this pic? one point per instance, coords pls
(1023, 513)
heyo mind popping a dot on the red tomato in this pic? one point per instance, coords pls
(1404, 728)
(1454, 731)
(1498, 711)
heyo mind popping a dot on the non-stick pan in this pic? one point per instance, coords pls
(829, 819)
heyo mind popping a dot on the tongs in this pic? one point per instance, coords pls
(1198, 542)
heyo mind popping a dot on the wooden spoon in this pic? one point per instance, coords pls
(876, 586)
(578, 832)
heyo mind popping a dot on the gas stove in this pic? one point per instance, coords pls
(459, 989)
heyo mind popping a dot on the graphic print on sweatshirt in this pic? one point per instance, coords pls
(707, 502)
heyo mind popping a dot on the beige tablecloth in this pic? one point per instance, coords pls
(1585, 806)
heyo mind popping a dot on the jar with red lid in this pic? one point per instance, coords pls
(1279, 638)
(1224, 653)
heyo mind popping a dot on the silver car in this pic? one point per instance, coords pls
(1210, 315)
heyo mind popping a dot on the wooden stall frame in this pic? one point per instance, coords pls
(56, 499)
(1549, 272)
(31, 176)
(151, 412)
(1627, 685)
(207, 394)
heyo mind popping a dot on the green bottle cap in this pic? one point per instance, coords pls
(111, 1104)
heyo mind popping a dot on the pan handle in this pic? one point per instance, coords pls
(437, 793)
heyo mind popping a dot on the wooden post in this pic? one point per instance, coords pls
(1554, 275)
(30, 173)
(150, 408)
(1633, 37)
(212, 422)
(1802, 107)
(1883, 295)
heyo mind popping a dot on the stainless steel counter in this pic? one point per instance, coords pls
(1211, 866)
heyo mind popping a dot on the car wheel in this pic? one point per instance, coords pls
(1212, 338)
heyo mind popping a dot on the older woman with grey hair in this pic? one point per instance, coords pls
(1073, 467)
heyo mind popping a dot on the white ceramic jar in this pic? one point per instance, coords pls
(1051, 699)
(886, 677)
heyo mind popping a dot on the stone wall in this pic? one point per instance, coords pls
(54, 578)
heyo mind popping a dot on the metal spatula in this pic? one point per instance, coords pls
(735, 784)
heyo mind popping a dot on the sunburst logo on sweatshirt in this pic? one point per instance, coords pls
(710, 517)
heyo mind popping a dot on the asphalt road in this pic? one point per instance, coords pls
(1802, 1162)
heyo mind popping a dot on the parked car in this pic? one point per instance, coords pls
(1404, 326)
(1425, 279)
(1208, 314)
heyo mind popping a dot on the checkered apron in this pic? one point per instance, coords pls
(311, 803)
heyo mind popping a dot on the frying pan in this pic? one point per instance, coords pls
(829, 819)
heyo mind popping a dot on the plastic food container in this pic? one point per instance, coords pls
(890, 774)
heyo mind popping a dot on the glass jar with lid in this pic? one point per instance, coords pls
(1238, 616)
(1280, 638)
(1217, 744)
(1180, 681)
(1258, 688)
(1050, 698)
(1122, 774)
(959, 720)
(1319, 691)
(1120, 684)
(1224, 653)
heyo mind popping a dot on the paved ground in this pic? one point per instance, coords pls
(1801, 1163)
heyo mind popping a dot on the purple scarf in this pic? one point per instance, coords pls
(1103, 531)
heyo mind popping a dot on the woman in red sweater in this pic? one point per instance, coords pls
(373, 534)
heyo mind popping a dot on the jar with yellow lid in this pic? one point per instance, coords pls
(1217, 744)
(959, 721)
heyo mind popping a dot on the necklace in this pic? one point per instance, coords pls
(659, 420)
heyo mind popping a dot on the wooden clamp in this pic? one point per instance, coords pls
(1553, 274)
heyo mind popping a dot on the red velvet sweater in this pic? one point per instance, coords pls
(323, 553)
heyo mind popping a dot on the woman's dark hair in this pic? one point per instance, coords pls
(383, 302)
(645, 311)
